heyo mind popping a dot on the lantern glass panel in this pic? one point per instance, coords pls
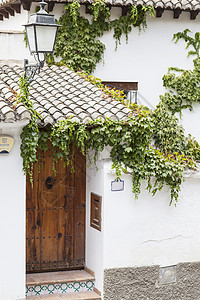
(30, 31)
(45, 36)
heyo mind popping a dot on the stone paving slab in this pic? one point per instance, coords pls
(58, 277)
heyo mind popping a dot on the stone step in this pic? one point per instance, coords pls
(63, 282)
(69, 296)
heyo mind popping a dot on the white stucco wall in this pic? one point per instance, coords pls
(94, 238)
(12, 37)
(13, 42)
(146, 58)
(141, 232)
(12, 219)
(15, 22)
(148, 231)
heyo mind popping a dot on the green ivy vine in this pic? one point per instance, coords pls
(78, 42)
(131, 144)
(150, 143)
(30, 133)
(183, 85)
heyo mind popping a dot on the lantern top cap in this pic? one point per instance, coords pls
(42, 8)
(42, 17)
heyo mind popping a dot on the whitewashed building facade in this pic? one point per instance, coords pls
(145, 249)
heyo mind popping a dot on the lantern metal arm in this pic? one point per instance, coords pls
(30, 70)
(39, 27)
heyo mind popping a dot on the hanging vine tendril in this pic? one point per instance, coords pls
(78, 42)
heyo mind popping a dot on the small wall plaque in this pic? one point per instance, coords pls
(117, 185)
(6, 144)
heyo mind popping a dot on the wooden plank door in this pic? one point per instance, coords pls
(55, 218)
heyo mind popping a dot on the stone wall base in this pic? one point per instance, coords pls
(153, 283)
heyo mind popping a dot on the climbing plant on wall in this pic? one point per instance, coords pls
(78, 42)
(149, 144)
(130, 140)
(183, 85)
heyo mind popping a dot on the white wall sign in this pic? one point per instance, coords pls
(6, 144)
(117, 185)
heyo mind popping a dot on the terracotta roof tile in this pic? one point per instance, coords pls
(190, 5)
(57, 93)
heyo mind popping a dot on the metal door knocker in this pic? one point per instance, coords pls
(49, 182)
(59, 235)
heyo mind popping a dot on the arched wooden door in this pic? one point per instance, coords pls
(55, 216)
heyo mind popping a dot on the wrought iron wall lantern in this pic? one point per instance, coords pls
(41, 33)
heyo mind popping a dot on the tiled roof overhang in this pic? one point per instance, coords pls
(10, 7)
(57, 93)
